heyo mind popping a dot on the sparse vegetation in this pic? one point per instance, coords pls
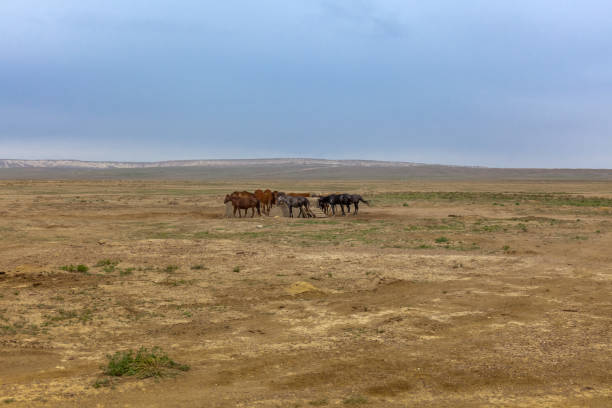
(107, 265)
(171, 268)
(355, 400)
(142, 363)
(75, 268)
(385, 281)
(126, 271)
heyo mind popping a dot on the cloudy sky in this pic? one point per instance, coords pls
(517, 83)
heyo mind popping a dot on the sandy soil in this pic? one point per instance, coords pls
(463, 294)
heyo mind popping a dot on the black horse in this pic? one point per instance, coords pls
(332, 200)
(355, 199)
(296, 202)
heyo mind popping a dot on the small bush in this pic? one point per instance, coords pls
(442, 240)
(171, 268)
(236, 269)
(143, 363)
(198, 267)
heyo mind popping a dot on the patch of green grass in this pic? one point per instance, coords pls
(236, 269)
(355, 400)
(9, 400)
(178, 282)
(198, 267)
(85, 316)
(142, 363)
(171, 268)
(105, 262)
(75, 268)
(489, 228)
(102, 382)
(107, 265)
(424, 246)
(441, 240)
(126, 271)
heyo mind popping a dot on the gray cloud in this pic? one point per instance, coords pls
(477, 82)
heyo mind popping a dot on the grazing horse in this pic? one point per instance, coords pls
(274, 197)
(332, 200)
(355, 199)
(260, 195)
(242, 194)
(243, 203)
(298, 202)
(324, 204)
(299, 194)
(266, 198)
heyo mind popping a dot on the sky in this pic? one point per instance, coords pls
(517, 83)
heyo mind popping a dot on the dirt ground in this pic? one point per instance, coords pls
(456, 294)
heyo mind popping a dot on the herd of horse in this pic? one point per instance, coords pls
(262, 201)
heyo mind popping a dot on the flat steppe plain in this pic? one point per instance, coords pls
(458, 294)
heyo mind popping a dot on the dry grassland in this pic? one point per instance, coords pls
(459, 294)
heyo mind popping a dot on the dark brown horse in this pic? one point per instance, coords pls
(242, 194)
(243, 203)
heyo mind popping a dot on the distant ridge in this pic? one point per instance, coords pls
(80, 164)
(283, 168)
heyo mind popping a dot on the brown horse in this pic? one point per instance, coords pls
(243, 203)
(242, 194)
(266, 198)
(299, 194)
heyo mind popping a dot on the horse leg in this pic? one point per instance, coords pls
(356, 208)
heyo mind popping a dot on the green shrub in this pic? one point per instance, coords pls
(143, 363)
(75, 268)
(442, 240)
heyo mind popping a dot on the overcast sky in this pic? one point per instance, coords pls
(518, 83)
